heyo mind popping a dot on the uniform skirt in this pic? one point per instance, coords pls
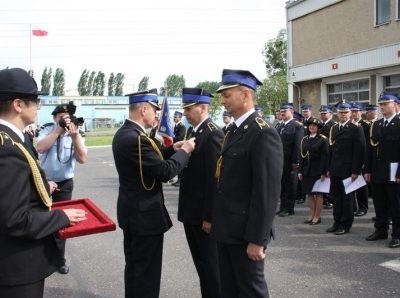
(308, 184)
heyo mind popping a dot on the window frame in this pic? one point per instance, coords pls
(341, 94)
(378, 3)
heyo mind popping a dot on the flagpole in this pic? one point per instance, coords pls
(30, 47)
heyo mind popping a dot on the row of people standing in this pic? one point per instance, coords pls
(347, 149)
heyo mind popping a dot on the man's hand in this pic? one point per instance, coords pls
(367, 177)
(206, 226)
(189, 145)
(353, 177)
(255, 252)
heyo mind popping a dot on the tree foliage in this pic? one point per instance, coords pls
(215, 103)
(144, 83)
(119, 84)
(272, 93)
(99, 84)
(46, 80)
(59, 82)
(173, 84)
(111, 85)
(275, 53)
(82, 84)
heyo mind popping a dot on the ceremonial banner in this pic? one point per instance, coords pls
(165, 127)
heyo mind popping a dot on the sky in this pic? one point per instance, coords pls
(139, 38)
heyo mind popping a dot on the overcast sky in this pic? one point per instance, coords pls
(196, 39)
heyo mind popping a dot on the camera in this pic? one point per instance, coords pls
(78, 121)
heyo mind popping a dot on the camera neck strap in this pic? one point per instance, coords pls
(58, 151)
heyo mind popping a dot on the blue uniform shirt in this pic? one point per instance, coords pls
(61, 166)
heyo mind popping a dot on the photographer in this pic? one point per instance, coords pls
(60, 146)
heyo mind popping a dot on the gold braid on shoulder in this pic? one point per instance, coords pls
(155, 147)
(373, 144)
(301, 149)
(37, 178)
(330, 135)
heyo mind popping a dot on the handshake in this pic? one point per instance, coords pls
(187, 146)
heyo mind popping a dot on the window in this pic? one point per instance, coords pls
(398, 9)
(357, 90)
(382, 11)
(392, 84)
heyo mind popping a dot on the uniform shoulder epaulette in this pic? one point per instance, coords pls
(355, 123)
(212, 126)
(367, 121)
(322, 136)
(261, 122)
(4, 137)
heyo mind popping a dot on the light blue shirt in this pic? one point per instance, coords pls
(58, 166)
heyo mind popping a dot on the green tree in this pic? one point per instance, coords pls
(90, 82)
(173, 84)
(83, 83)
(111, 85)
(46, 80)
(272, 93)
(59, 82)
(215, 108)
(144, 83)
(99, 84)
(275, 54)
(119, 84)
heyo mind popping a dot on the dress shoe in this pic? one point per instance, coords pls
(64, 269)
(313, 223)
(376, 236)
(332, 229)
(341, 231)
(360, 213)
(177, 183)
(300, 201)
(308, 221)
(285, 213)
(328, 206)
(394, 243)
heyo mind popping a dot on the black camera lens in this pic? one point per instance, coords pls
(62, 123)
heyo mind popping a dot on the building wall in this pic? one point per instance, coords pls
(310, 94)
(339, 29)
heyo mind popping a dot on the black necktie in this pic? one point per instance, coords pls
(190, 133)
(232, 127)
(386, 123)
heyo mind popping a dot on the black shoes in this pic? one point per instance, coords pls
(308, 221)
(332, 229)
(377, 236)
(313, 223)
(300, 201)
(64, 269)
(328, 205)
(341, 231)
(360, 213)
(394, 243)
(285, 213)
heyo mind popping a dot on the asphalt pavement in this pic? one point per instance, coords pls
(304, 260)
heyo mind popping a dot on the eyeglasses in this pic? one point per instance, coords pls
(35, 100)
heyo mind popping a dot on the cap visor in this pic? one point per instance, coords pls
(223, 87)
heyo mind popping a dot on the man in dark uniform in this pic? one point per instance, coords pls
(383, 156)
(371, 113)
(249, 172)
(361, 194)
(140, 208)
(325, 114)
(198, 189)
(28, 250)
(346, 157)
(227, 119)
(179, 128)
(291, 133)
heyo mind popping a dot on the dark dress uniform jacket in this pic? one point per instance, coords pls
(326, 128)
(347, 150)
(315, 152)
(198, 185)
(291, 135)
(179, 132)
(383, 149)
(28, 250)
(249, 184)
(143, 210)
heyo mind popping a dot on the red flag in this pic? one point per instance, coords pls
(165, 128)
(39, 32)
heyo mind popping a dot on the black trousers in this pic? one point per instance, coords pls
(205, 257)
(289, 184)
(64, 194)
(33, 290)
(343, 205)
(143, 261)
(362, 198)
(240, 276)
(386, 198)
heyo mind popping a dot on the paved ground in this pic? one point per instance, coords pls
(304, 261)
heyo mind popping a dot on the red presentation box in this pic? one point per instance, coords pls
(97, 221)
